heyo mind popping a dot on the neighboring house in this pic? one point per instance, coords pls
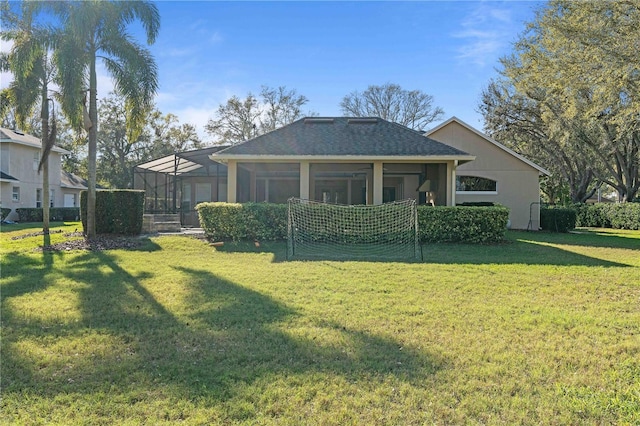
(21, 184)
(348, 161)
(498, 174)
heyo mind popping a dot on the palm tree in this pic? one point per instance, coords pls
(95, 30)
(30, 64)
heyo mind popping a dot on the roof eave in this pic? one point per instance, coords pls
(339, 158)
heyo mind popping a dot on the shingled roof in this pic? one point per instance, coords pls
(339, 137)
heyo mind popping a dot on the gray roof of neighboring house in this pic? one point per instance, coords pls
(342, 136)
(6, 176)
(70, 180)
(8, 135)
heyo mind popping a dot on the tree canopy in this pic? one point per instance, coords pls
(242, 119)
(570, 92)
(411, 108)
(98, 30)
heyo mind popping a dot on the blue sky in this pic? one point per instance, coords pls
(209, 51)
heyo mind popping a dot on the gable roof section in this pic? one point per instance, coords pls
(340, 138)
(541, 170)
(4, 177)
(14, 136)
(70, 180)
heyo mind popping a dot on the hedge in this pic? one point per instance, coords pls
(56, 214)
(265, 222)
(4, 212)
(468, 224)
(234, 221)
(608, 215)
(557, 219)
(118, 211)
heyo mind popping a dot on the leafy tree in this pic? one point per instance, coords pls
(579, 62)
(118, 153)
(236, 121)
(167, 135)
(281, 107)
(242, 119)
(517, 121)
(411, 108)
(30, 63)
(95, 30)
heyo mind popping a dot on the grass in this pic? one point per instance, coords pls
(544, 329)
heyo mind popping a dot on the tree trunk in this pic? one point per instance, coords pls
(45, 166)
(93, 115)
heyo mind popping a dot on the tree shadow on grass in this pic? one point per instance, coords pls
(517, 251)
(254, 327)
(279, 251)
(277, 248)
(592, 237)
(225, 336)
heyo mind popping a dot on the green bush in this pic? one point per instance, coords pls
(608, 215)
(56, 214)
(264, 221)
(557, 219)
(462, 224)
(4, 212)
(118, 211)
(233, 221)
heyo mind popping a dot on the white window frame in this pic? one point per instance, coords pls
(15, 194)
(38, 197)
(52, 197)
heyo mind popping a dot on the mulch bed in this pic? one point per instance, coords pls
(99, 243)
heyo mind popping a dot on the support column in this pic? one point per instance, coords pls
(378, 182)
(304, 180)
(453, 182)
(232, 181)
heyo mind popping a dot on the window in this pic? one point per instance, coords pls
(52, 197)
(15, 195)
(38, 198)
(36, 160)
(475, 184)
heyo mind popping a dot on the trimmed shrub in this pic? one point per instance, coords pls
(557, 219)
(462, 224)
(56, 214)
(625, 216)
(265, 221)
(234, 221)
(118, 211)
(4, 212)
(607, 215)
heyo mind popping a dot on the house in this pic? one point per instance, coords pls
(349, 161)
(497, 175)
(20, 182)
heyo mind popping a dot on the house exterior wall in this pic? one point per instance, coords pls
(517, 183)
(21, 162)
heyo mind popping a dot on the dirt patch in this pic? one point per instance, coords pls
(97, 244)
(35, 234)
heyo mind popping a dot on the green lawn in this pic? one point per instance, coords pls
(543, 329)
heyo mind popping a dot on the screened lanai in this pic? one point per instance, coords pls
(177, 182)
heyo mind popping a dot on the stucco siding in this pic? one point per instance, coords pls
(517, 182)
